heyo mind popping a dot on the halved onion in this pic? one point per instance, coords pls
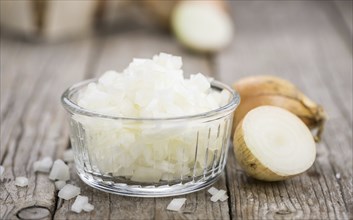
(220, 194)
(272, 144)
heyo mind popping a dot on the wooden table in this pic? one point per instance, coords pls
(307, 42)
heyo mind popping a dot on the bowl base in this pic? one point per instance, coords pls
(147, 191)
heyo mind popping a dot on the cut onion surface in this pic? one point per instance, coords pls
(212, 191)
(273, 144)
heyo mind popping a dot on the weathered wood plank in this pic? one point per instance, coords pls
(297, 40)
(32, 121)
(345, 8)
(116, 52)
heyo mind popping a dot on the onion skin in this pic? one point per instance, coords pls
(252, 166)
(270, 90)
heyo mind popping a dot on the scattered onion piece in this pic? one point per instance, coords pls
(21, 181)
(69, 191)
(43, 165)
(60, 171)
(176, 204)
(59, 184)
(68, 155)
(212, 191)
(88, 207)
(79, 203)
(2, 170)
(218, 195)
(223, 198)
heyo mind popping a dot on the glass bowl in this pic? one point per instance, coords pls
(149, 157)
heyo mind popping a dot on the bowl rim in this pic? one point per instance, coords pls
(74, 108)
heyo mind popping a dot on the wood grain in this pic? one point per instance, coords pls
(32, 121)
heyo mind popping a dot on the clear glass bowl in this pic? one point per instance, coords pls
(149, 157)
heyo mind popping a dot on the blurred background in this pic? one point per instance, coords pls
(307, 42)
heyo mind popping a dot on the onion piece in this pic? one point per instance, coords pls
(148, 175)
(223, 198)
(202, 25)
(2, 170)
(88, 207)
(59, 184)
(176, 204)
(212, 190)
(69, 191)
(68, 155)
(218, 195)
(43, 165)
(79, 203)
(21, 181)
(273, 144)
(60, 171)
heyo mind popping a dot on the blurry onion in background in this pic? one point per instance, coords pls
(202, 26)
(50, 20)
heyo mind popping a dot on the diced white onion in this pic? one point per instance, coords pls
(60, 171)
(79, 203)
(21, 181)
(223, 198)
(43, 165)
(144, 174)
(60, 184)
(212, 190)
(218, 195)
(69, 191)
(88, 207)
(148, 152)
(176, 204)
(68, 155)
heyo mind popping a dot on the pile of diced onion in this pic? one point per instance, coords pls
(151, 152)
(152, 88)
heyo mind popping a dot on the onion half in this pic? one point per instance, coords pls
(273, 144)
